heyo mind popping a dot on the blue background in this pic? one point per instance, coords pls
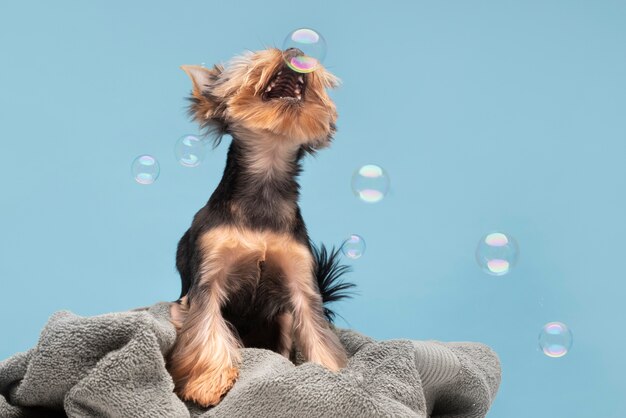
(488, 115)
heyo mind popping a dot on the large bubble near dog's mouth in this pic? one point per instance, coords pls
(312, 45)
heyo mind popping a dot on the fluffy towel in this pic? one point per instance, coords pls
(112, 366)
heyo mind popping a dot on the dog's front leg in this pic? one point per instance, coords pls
(203, 362)
(314, 338)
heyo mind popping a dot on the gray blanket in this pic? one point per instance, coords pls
(112, 366)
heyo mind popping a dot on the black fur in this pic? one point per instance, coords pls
(328, 272)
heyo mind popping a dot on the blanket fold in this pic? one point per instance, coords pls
(113, 366)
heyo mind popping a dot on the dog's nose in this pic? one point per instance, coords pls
(292, 53)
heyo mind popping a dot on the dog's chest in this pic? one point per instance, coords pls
(260, 269)
(245, 254)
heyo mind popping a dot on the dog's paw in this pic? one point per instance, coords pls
(331, 354)
(208, 389)
(337, 363)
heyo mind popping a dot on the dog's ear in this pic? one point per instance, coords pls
(205, 107)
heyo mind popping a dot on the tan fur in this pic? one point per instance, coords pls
(178, 312)
(236, 89)
(285, 322)
(204, 359)
(269, 154)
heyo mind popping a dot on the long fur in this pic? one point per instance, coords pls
(250, 274)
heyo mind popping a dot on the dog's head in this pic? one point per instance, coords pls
(257, 92)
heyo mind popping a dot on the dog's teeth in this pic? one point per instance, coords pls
(301, 79)
(280, 72)
(299, 97)
(297, 91)
(269, 88)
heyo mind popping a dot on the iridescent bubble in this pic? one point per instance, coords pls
(145, 169)
(353, 247)
(370, 183)
(313, 48)
(497, 253)
(555, 339)
(189, 150)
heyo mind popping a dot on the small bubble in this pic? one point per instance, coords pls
(555, 339)
(353, 247)
(370, 183)
(497, 253)
(145, 169)
(189, 150)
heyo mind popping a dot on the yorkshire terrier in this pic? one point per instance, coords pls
(250, 275)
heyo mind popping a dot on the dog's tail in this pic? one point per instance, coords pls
(328, 271)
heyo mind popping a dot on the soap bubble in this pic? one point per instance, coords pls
(497, 253)
(312, 45)
(353, 247)
(370, 183)
(189, 150)
(145, 169)
(555, 339)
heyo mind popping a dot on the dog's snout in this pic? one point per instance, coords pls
(292, 53)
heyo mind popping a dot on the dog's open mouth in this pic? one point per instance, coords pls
(285, 84)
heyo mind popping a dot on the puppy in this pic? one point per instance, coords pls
(250, 275)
